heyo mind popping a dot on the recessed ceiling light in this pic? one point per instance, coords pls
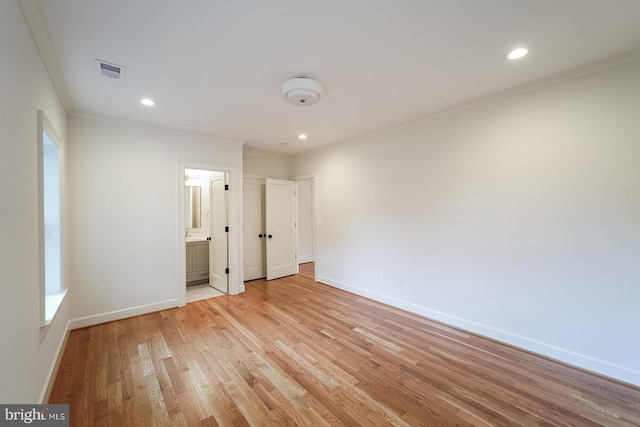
(284, 144)
(518, 53)
(148, 102)
(302, 136)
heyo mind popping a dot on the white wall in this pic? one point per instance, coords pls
(518, 219)
(124, 190)
(25, 360)
(305, 220)
(266, 166)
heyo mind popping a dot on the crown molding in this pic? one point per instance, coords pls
(541, 83)
(151, 126)
(38, 30)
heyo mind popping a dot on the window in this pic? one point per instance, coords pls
(52, 289)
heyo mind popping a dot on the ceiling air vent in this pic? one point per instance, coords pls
(107, 69)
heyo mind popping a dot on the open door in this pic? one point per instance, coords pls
(219, 242)
(280, 217)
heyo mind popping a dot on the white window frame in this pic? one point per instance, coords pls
(50, 299)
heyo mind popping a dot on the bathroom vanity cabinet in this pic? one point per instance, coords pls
(197, 261)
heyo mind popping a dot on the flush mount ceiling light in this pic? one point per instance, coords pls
(518, 53)
(284, 144)
(302, 136)
(302, 91)
(148, 102)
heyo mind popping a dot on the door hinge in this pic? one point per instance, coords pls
(226, 270)
(226, 229)
(226, 187)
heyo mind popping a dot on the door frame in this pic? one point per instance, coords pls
(236, 284)
(313, 177)
(260, 181)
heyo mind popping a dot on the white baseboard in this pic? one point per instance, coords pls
(582, 361)
(83, 322)
(55, 365)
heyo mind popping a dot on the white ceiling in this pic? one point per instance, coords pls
(217, 67)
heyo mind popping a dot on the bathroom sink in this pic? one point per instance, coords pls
(192, 239)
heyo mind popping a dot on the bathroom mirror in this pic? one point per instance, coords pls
(192, 206)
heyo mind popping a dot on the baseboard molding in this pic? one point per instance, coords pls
(83, 322)
(600, 367)
(241, 289)
(55, 366)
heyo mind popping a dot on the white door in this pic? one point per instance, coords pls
(280, 215)
(254, 229)
(218, 245)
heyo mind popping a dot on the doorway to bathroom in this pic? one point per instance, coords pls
(206, 233)
(207, 228)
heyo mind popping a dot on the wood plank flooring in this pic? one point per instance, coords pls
(294, 352)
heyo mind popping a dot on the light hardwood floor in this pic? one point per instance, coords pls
(295, 352)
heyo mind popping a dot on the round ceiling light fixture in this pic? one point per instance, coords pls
(302, 91)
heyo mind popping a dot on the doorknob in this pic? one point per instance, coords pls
(259, 236)
(270, 236)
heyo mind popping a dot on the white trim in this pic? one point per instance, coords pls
(52, 304)
(235, 225)
(250, 175)
(44, 127)
(263, 154)
(49, 381)
(97, 319)
(315, 209)
(33, 16)
(600, 367)
(149, 126)
(555, 79)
